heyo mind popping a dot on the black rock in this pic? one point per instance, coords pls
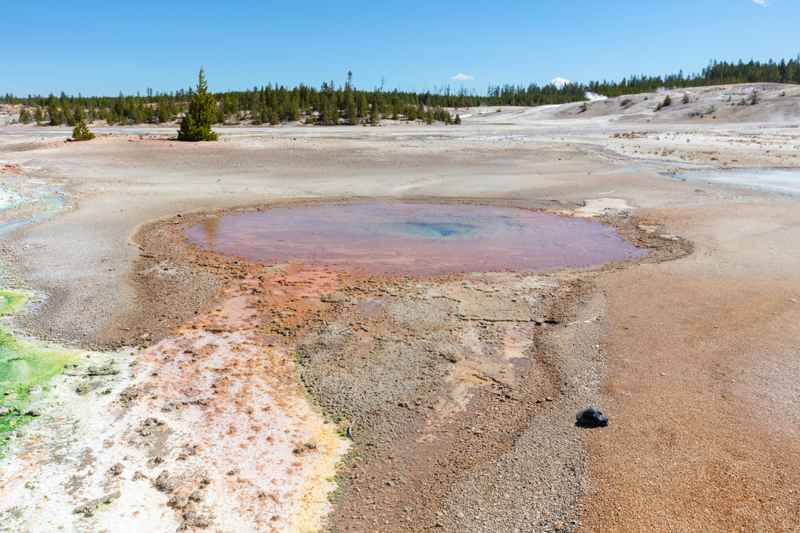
(591, 418)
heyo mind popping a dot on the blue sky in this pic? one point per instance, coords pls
(102, 47)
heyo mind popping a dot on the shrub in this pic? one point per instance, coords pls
(81, 132)
(666, 103)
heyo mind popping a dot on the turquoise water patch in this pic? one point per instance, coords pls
(25, 201)
(8, 198)
(433, 230)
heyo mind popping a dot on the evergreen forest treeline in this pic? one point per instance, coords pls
(332, 104)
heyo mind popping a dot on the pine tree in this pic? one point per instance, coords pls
(293, 111)
(328, 113)
(70, 117)
(56, 117)
(263, 115)
(396, 108)
(197, 122)
(363, 106)
(165, 111)
(274, 118)
(81, 132)
(25, 116)
(374, 114)
(352, 112)
(325, 105)
(229, 107)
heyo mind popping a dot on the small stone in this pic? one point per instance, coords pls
(163, 482)
(105, 370)
(193, 519)
(451, 357)
(88, 509)
(333, 298)
(178, 502)
(591, 417)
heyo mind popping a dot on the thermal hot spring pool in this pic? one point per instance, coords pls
(414, 238)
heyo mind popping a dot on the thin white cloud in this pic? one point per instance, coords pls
(560, 82)
(762, 3)
(462, 77)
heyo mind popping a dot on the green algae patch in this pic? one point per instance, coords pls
(11, 302)
(25, 366)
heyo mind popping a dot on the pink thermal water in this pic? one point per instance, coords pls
(414, 238)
